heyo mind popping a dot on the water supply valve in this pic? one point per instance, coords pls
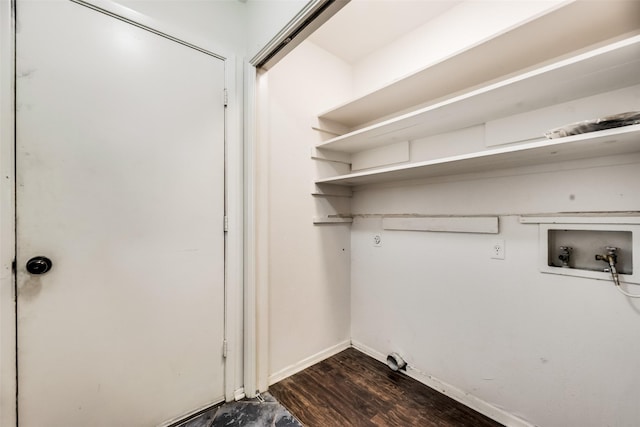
(611, 257)
(565, 256)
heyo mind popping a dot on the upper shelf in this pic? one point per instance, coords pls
(603, 69)
(609, 142)
(560, 31)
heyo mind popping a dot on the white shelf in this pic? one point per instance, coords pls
(560, 31)
(607, 68)
(623, 140)
(583, 218)
(331, 220)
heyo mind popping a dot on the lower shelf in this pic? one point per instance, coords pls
(331, 220)
(609, 142)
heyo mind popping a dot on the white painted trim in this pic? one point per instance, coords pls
(7, 218)
(262, 207)
(465, 398)
(309, 361)
(250, 245)
(234, 242)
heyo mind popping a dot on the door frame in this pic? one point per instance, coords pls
(234, 200)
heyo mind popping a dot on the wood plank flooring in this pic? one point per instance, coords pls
(352, 389)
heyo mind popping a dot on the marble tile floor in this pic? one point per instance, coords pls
(265, 411)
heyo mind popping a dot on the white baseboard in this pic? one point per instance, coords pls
(466, 399)
(309, 361)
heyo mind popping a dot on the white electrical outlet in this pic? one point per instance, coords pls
(497, 249)
(377, 240)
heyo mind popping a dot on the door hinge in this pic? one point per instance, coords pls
(226, 223)
(226, 97)
(224, 349)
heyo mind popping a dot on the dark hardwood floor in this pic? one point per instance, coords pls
(352, 389)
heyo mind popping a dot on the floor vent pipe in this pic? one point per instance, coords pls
(396, 362)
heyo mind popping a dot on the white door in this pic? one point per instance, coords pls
(120, 183)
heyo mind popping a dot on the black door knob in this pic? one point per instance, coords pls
(39, 265)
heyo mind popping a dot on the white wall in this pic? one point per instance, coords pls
(554, 350)
(308, 265)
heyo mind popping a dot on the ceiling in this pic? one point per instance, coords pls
(364, 26)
